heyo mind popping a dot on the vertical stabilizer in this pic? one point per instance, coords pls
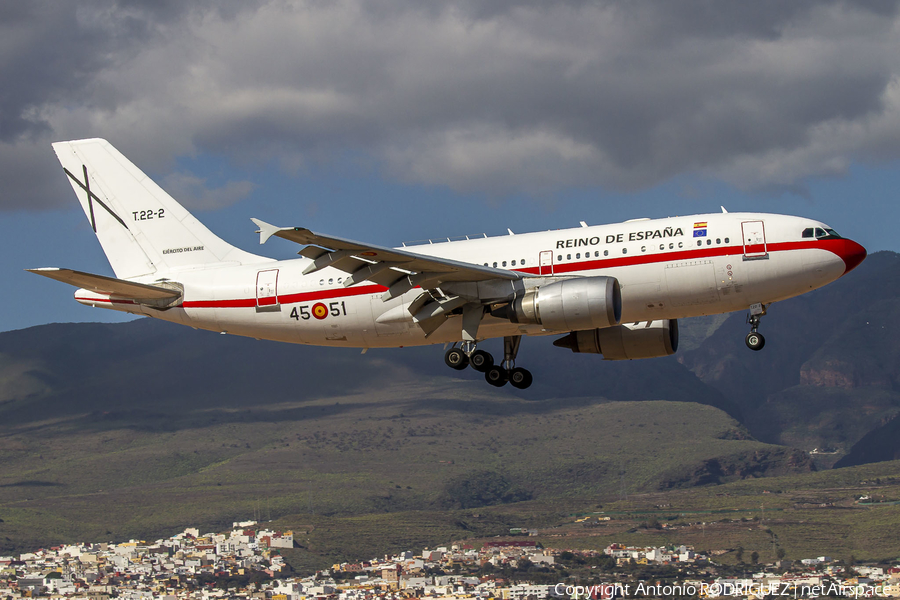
(142, 229)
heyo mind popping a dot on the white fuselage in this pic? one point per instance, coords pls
(667, 269)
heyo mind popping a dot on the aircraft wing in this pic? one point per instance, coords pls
(108, 285)
(398, 270)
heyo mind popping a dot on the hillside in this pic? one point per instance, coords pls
(142, 427)
(130, 429)
(830, 370)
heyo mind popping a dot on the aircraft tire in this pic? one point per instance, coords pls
(496, 376)
(520, 378)
(755, 341)
(481, 361)
(456, 359)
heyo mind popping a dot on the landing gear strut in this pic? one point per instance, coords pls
(517, 377)
(754, 339)
(497, 375)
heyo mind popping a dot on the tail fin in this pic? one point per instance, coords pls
(142, 229)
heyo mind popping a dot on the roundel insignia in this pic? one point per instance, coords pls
(319, 311)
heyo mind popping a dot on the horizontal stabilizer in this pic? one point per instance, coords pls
(108, 285)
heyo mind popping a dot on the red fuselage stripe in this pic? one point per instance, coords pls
(289, 298)
(558, 269)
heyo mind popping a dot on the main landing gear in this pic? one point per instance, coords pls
(465, 355)
(754, 339)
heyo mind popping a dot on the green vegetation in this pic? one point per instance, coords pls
(141, 429)
(481, 488)
(126, 472)
(366, 473)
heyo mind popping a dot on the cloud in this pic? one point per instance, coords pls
(493, 98)
(194, 194)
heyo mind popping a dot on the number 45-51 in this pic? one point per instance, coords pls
(318, 310)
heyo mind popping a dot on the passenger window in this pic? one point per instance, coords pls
(709, 242)
(680, 244)
(726, 240)
(606, 253)
(559, 258)
(643, 248)
(513, 263)
(596, 254)
(718, 240)
(699, 242)
(673, 245)
(662, 246)
(568, 257)
(578, 255)
(808, 232)
(495, 265)
(522, 262)
(624, 250)
(331, 282)
(321, 282)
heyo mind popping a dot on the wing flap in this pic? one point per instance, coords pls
(439, 269)
(108, 285)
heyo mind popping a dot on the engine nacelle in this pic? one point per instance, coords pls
(626, 342)
(571, 304)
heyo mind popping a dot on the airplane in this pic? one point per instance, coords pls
(615, 290)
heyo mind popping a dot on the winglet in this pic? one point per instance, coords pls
(267, 230)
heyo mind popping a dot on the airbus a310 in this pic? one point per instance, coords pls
(615, 290)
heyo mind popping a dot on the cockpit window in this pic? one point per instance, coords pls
(826, 234)
(821, 233)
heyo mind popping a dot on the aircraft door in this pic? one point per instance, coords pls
(754, 239)
(545, 263)
(267, 289)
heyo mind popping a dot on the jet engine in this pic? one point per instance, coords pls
(626, 342)
(567, 305)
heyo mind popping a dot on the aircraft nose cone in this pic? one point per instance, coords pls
(852, 254)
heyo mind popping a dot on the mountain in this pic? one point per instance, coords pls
(830, 370)
(136, 428)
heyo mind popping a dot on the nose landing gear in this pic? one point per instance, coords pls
(755, 340)
(497, 375)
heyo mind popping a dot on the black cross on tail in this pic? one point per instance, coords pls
(91, 196)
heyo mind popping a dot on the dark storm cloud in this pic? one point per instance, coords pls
(493, 97)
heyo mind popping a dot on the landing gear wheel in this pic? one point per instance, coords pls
(755, 341)
(520, 378)
(481, 361)
(496, 376)
(456, 359)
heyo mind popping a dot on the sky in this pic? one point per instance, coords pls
(392, 121)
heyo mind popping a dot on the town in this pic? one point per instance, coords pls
(247, 562)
